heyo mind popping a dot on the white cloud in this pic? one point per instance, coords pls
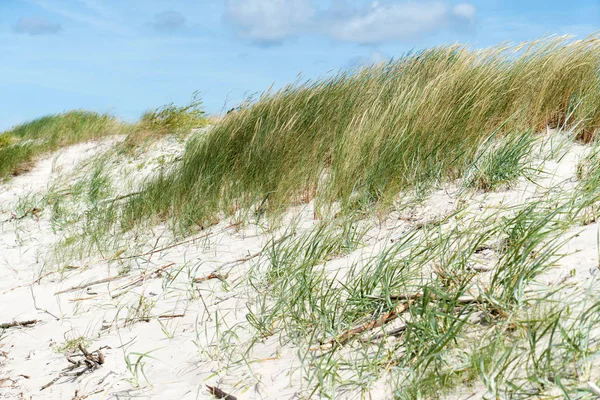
(36, 26)
(168, 21)
(387, 21)
(465, 10)
(268, 21)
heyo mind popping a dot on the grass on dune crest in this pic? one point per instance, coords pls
(165, 120)
(20, 145)
(360, 137)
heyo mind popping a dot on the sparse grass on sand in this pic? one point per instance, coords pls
(359, 138)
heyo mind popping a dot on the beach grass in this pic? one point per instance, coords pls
(359, 138)
(22, 144)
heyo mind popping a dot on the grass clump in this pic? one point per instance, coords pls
(168, 119)
(20, 145)
(5, 140)
(72, 345)
(500, 164)
(361, 137)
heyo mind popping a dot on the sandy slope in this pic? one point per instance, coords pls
(195, 329)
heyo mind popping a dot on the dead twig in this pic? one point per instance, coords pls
(14, 324)
(211, 276)
(393, 332)
(171, 316)
(142, 278)
(125, 196)
(92, 283)
(78, 396)
(138, 279)
(219, 394)
(41, 309)
(33, 211)
(88, 363)
(206, 235)
(38, 280)
(249, 257)
(346, 336)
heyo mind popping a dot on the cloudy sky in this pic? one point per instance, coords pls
(125, 56)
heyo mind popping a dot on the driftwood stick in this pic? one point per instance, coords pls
(125, 196)
(346, 336)
(93, 283)
(90, 362)
(393, 332)
(209, 277)
(219, 394)
(169, 316)
(249, 257)
(140, 279)
(111, 279)
(38, 280)
(15, 324)
(52, 382)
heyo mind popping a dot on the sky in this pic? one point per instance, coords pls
(128, 56)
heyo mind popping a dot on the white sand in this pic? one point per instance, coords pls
(188, 352)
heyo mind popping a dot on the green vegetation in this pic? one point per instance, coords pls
(500, 163)
(428, 307)
(72, 345)
(23, 143)
(453, 327)
(168, 119)
(359, 138)
(20, 145)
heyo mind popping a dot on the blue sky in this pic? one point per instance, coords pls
(126, 56)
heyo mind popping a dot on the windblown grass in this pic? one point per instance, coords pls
(20, 145)
(23, 143)
(359, 138)
(168, 119)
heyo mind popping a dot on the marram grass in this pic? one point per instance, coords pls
(359, 138)
(20, 145)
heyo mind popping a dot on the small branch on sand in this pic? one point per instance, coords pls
(171, 316)
(393, 332)
(93, 283)
(123, 197)
(211, 276)
(86, 297)
(249, 257)
(38, 280)
(204, 236)
(346, 336)
(39, 308)
(16, 324)
(88, 362)
(461, 301)
(33, 211)
(142, 278)
(219, 394)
